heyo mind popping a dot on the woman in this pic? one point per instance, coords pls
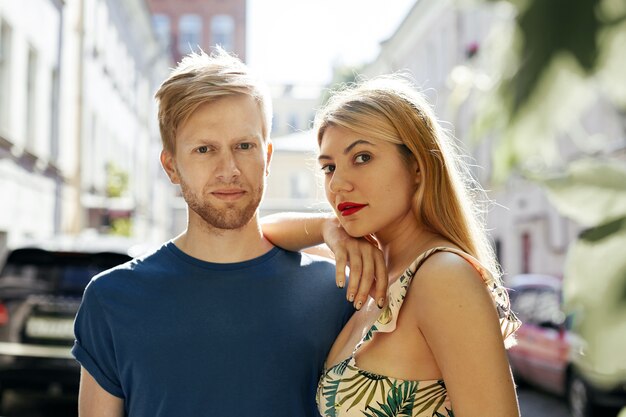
(437, 345)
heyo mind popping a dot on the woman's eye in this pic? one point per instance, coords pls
(203, 149)
(362, 158)
(328, 169)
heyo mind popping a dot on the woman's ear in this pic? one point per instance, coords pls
(415, 168)
(169, 166)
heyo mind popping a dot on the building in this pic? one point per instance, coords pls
(34, 169)
(77, 118)
(116, 67)
(294, 108)
(184, 26)
(295, 182)
(438, 41)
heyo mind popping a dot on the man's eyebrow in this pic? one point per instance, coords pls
(348, 148)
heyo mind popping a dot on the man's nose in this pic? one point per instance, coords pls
(228, 168)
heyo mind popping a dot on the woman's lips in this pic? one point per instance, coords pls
(349, 208)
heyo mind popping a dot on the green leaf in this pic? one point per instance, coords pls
(591, 191)
(596, 234)
(595, 292)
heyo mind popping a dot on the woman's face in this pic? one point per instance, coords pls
(368, 183)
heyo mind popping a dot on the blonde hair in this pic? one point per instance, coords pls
(390, 108)
(200, 78)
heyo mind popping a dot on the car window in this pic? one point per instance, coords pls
(523, 302)
(548, 307)
(537, 305)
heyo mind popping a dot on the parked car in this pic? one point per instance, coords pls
(40, 292)
(549, 352)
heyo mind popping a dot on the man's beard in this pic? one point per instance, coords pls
(231, 217)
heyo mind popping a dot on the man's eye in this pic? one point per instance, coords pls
(245, 146)
(328, 169)
(203, 149)
(362, 158)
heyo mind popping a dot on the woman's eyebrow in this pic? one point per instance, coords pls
(348, 148)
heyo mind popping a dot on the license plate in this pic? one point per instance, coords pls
(50, 328)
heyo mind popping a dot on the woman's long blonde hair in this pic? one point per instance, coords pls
(448, 201)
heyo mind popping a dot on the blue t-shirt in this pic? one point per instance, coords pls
(176, 336)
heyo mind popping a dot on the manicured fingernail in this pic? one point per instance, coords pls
(358, 305)
(340, 284)
(351, 297)
(381, 303)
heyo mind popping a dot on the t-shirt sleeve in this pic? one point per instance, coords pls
(93, 346)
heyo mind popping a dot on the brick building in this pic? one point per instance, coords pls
(185, 25)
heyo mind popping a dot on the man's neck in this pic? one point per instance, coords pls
(223, 245)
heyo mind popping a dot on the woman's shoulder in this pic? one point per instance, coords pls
(449, 277)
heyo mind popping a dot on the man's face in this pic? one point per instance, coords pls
(221, 162)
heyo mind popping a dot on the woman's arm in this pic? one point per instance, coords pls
(367, 269)
(457, 316)
(294, 231)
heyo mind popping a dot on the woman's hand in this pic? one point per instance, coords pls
(368, 272)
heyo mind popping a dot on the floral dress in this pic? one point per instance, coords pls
(346, 391)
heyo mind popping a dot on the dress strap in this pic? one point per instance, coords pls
(396, 293)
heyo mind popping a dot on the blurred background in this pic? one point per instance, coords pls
(534, 91)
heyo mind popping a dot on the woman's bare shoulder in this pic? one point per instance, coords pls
(446, 283)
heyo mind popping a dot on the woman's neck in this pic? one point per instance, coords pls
(403, 244)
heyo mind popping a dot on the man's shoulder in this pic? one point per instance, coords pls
(307, 260)
(147, 263)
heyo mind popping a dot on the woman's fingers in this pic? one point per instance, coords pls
(355, 263)
(365, 282)
(341, 262)
(382, 280)
(368, 273)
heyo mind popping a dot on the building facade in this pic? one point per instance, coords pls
(33, 168)
(78, 135)
(438, 41)
(295, 182)
(183, 26)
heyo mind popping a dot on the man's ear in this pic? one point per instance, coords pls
(270, 152)
(168, 164)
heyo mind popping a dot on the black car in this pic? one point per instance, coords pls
(40, 292)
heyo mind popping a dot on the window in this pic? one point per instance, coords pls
(293, 122)
(161, 24)
(526, 252)
(537, 306)
(299, 185)
(5, 74)
(189, 33)
(222, 31)
(54, 115)
(31, 97)
(498, 250)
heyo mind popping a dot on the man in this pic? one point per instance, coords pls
(218, 321)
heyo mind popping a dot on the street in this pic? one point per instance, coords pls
(533, 403)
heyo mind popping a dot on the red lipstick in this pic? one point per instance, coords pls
(349, 208)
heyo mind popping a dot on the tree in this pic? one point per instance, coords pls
(568, 56)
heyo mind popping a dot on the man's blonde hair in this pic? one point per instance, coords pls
(201, 78)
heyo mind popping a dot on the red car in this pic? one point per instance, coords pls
(547, 350)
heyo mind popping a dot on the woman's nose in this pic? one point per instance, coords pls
(340, 182)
